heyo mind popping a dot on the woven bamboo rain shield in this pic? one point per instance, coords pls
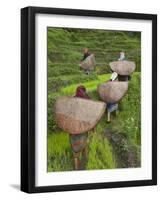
(123, 67)
(76, 115)
(89, 63)
(112, 91)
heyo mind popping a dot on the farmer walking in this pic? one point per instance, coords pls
(79, 141)
(88, 61)
(123, 77)
(86, 53)
(112, 106)
(121, 56)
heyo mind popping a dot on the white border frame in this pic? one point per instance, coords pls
(42, 178)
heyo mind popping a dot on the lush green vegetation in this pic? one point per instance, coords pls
(110, 145)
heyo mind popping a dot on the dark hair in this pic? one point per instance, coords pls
(81, 87)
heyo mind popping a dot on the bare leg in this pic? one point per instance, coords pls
(108, 117)
(76, 160)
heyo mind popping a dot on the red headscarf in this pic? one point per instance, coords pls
(81, 92)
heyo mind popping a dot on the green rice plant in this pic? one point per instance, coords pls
(90, 85)
(100, 153)
(56, 83)
(130, 107)
(64, 68)
(52, 125)
(59, 152)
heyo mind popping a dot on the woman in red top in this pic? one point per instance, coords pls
(79, 142)
(81, 92)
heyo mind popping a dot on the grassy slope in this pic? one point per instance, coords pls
(64, 75)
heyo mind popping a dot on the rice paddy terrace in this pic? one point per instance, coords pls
(114, 145)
